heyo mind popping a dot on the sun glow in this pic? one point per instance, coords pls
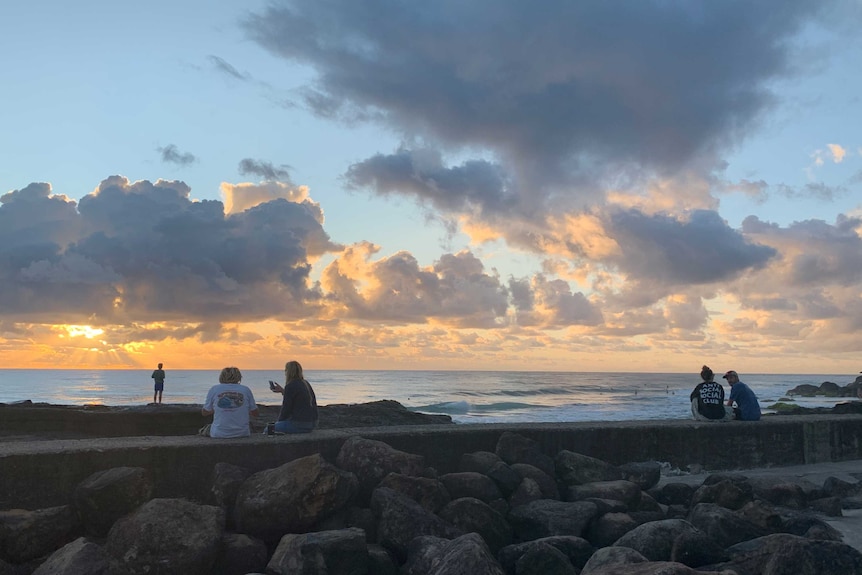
(82, 330)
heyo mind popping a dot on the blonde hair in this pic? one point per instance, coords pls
(292, 370)
(230, 375)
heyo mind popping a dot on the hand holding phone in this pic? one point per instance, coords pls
(272, 385)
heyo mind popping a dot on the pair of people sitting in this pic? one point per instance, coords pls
(707, 399)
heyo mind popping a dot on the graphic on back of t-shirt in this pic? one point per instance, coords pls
(231, 400)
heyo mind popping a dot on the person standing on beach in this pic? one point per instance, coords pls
(299, 405)
(231, 404)
(747, 407)
(159, 383)
(707, 399)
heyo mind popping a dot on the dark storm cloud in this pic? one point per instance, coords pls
(561, 92)
(222, 66)
(171, 155)
(421, 173)
(145, 251)
(670, 251)
(264, 170)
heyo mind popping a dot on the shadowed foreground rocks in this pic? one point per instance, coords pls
(375, 510)
(32, 421)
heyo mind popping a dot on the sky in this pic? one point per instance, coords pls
(629, 186)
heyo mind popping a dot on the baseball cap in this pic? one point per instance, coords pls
(729, 373)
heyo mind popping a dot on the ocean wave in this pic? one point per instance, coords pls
(464, 407)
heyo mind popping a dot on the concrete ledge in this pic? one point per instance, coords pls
(37, 474)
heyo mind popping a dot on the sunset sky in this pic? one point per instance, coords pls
(557, 185)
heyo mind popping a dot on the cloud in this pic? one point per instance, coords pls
(838, 153)
(222, 66)
(566, 96)
(171, 155)
(143, 252)
(264, 169)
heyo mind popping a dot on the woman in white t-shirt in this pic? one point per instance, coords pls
(231, 404)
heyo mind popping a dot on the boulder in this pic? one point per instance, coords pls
(546, 482)
(829, 506)
(626, 491)
(834, 487)
(651, 568)
(696, 549)
(341, 552)
(292, 498)
(26, 535)
(654, 540)
(612, 557)
(471, 484)
(608, 528)
(372, 460)
(785, 554)
(478, 461)
(782, 493)
(167, 536)
(465, 555)
(473, 515)
(727, 493)
(723, 526)
(239, 554)
(429, 493)
(381, 561)
(763, 515)
(400, 520)
(547, 517)
(80, 557)
(675, 494)
(577, 550)
(576, 469)
(515, 448)
(544, 559)
(528, 490)
(646, 474)
(227, 479)
(107, 495)
(506, 478)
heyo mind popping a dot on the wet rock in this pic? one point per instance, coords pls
(514, 448)
(547, 517)
(341, 552)
(107, 495)
(26, 535)
(292, 498)
(576, 469)
(167, 536)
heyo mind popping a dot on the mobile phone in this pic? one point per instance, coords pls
(272, 385)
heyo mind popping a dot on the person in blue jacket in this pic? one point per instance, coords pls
(747, 408)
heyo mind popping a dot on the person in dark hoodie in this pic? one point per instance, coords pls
(299, 406)
(707, 399)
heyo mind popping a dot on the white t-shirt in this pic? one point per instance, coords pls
(231, 404)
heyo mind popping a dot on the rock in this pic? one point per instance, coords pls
(341, 552)
(546, 482)
(810, 526)
(547, 517)
(528, 490)
(612, 557)
(372, 414)
(429, 493)
(423, 554)
(727, 493)
(465, 555)
(577, 550)
(647, 503)
(784, 554)
(675, 494)
(620, 490)
(227, 479)
(608, 528)
(506, 478)
(400, 520)
(372, 460)
(473, 515)
(696, 549)
(651, 568)
(80, 557)
(381, 561)
(576, 469)
(655, 540)
(107, 495)
(543, 559)
(239, 554)
(805, 390)
(471, 484)
(723, 526)
(646, 474)
(167, 536)
(834, 487)
(515, 448)
(763, 515)
(478, 461)
(292, 498)
(829, 506)
(785, 494)
(26, 535)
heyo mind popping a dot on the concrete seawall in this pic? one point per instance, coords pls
(37, 474)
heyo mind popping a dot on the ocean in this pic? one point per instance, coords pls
(467, 396)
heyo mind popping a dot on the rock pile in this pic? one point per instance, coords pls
(379, 511)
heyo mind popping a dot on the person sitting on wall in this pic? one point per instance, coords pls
(707, 399)
(231, 404)
(299, 405)
(747, 407)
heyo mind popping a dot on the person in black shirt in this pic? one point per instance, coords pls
(707, 399)
(299, 406)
